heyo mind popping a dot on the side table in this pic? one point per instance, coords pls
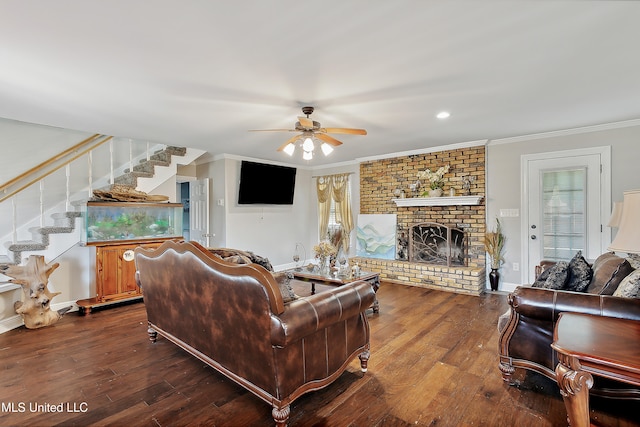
(586, 344)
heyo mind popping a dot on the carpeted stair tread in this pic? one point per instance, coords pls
(52, 230)
(69, 214)
(27, 245)
(176, 151)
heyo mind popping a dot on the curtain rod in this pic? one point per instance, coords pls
(344, 173)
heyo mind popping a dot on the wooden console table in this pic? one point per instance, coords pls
(605, 346)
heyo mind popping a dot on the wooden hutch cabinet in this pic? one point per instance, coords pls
(114, 230)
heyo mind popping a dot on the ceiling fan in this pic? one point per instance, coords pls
(310, 130)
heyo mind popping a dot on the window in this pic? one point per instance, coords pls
(564, 208)
(333, 226)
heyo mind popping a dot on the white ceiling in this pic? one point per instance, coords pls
(202, 73)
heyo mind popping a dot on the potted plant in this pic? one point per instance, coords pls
(436, 180)
(494, 241)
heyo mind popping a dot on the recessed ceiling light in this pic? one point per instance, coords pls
(443, 114)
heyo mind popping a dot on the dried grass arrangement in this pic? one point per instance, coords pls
(494, 245)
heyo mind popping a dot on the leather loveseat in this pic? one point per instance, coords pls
(233, 318)
(526, 330)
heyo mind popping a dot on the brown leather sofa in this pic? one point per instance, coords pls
(526, 330)
(233, 318)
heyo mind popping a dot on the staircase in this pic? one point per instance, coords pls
(147, 168)
(65, 222)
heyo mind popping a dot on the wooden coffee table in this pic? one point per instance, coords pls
(314, 276)
(587, 344)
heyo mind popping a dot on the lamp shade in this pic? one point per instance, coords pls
(307, 145)
(614, 221)
(289, 149)
(628, 236)
(326, 148)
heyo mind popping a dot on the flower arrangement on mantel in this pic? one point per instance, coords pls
(494, 245)
(436, 179)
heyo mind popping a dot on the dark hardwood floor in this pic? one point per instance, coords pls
(433, 362)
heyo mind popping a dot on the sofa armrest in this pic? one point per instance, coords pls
(547, 304)
(307, 315)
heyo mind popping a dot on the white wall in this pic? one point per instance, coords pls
(504, 177)
(167, 188)
(269, 230)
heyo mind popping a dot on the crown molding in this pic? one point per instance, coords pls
(427, 150)
(565, 132)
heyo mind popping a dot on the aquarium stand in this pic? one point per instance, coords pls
(115, 271)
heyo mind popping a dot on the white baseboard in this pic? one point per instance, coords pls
(10, 323)
(508, 287)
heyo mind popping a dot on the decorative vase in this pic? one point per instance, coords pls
(494, 278)
(436, 192)
(323, 266)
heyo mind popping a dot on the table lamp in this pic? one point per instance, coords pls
(628, 236)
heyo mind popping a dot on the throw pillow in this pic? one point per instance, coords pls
(608, 271)
(542, 278)
(260, 260)
(630, 286)
(237, 259)
(284, 282)
(634, 260)
(558, 275)
(579, 274)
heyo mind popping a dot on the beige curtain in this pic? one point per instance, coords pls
(342, 199)
(335, 187)
(323, 187)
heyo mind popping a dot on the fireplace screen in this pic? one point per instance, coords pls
(434, 243)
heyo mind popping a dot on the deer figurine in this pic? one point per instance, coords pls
(35, 307)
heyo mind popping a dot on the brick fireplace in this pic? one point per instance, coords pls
(454, 268)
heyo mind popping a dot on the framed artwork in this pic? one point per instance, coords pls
(376, 236)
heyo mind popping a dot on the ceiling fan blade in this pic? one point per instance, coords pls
(289, 141)
(344, 130)
(328, 139)
(273, 130)
(305, 122)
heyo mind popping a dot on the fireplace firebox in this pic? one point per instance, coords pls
(439, 244)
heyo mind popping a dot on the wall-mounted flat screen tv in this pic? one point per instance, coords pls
(266, 184)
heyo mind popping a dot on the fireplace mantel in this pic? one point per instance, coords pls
(439, 201)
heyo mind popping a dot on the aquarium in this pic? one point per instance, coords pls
(119, 221)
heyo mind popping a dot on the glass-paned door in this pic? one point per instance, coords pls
(565, 200)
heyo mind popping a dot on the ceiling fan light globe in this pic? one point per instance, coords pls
(326, 148)
(307, 145)
(289, 149)
(307, 155)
